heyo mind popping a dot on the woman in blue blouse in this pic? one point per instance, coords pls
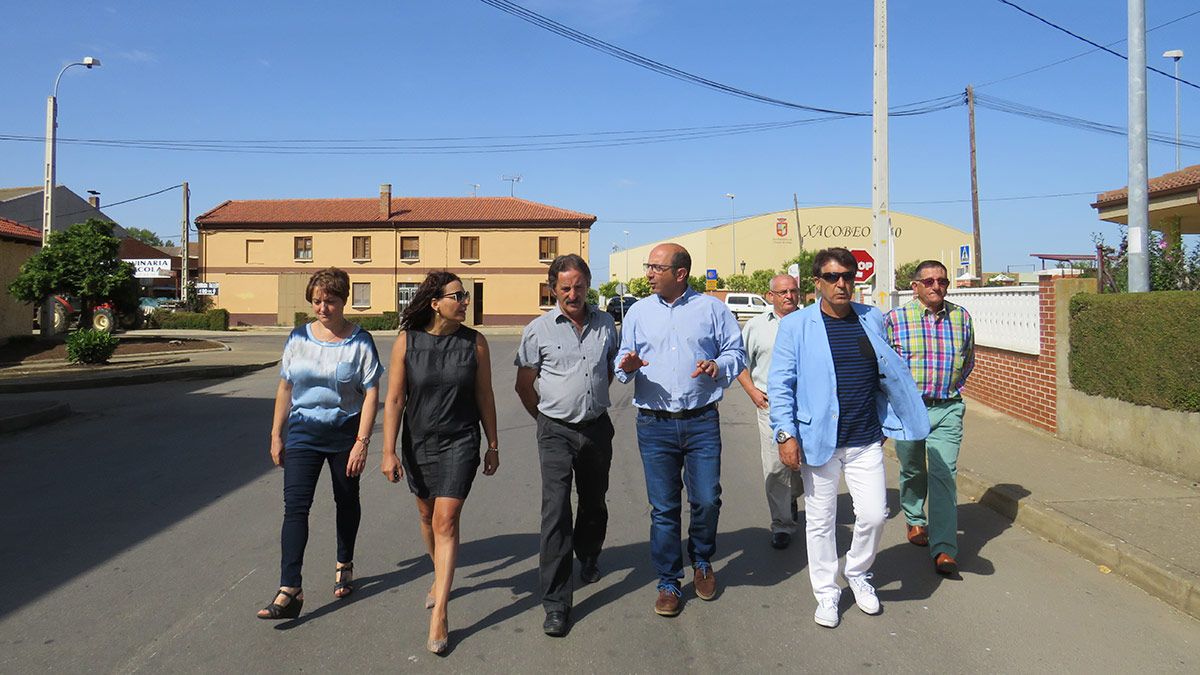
(324, 411)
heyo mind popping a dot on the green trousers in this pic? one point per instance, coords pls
(928, 470)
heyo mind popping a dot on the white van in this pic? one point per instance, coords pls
(746, 305)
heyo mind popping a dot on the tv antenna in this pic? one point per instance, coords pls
(513, 180)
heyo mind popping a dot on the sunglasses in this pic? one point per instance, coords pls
(658, 269)
(940, 281)
(459, 296)
(832, 277)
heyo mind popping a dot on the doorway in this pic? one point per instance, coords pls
(477, 294)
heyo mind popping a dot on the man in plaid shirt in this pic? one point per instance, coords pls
(937, 340)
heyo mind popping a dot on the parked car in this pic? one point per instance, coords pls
(614, 306)
(746, 305)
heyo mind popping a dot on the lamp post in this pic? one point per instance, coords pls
(88, 62)
(733, 226)
(1175, 55)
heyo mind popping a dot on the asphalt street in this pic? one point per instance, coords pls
(142, 533)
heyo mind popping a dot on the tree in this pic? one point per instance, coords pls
(82, 261)
(760, 281)
(146, 236)
(593, 296)
(639, 287)
(739, 283)
(805, 263)
(609, 288)
(698, 284)
(1172, 268)
(905, 274)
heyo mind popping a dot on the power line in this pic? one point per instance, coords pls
(513, 9)
(1090, 42)
(1013, 108)
(38, 220)
(1081, 54)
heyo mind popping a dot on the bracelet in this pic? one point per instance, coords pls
(495, 450)
(365, 440)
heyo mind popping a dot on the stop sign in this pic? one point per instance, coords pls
(866, 265)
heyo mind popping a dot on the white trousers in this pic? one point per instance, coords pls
(863, 468)
(783, 486)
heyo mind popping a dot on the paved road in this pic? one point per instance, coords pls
(142, 534)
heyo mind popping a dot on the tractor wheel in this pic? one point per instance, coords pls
(61, 321)
(102, 319)
(130, 320)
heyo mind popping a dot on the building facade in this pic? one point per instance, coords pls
(766, 241)
(260, 253)
(18, 243)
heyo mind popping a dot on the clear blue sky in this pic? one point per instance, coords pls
(366, 70)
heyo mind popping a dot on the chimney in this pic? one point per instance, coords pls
(94, 199)
(385, 201)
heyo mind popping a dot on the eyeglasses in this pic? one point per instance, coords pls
(787, 291)
(940, 281)
(658, 269)
(832, 277)
(459, 296)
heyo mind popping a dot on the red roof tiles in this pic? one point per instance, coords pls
(1184, 180)
(404, 210)
(11, 229)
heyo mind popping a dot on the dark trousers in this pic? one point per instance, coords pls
(301, 469)
(586, 451)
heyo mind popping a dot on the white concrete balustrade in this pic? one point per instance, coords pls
(1004, 318)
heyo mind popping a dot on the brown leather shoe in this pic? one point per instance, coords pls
(945, 564)
(705, 582)
(918, 535)
(667, 603)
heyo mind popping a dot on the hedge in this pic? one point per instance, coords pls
(1138, 347)
(384, 322)
(213, 319)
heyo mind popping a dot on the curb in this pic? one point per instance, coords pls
(56, 410)
(1168, 582)
(138, 376)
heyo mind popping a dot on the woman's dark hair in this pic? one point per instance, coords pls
(331, 280)
(836, 254)
(419, 312)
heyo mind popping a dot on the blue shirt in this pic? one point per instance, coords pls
(857, 381)
(671, 338)
(329, 382)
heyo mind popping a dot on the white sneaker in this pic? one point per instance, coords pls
(864, 594)
(827, 612)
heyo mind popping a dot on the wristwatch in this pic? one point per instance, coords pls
(782, 437)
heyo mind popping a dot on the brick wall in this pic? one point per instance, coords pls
(1022, 385)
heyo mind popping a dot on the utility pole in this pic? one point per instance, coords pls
(799, 237)
(184, 259)
(1138, 198)
(733, 233)
(1176, 54)
(881, 224)
(978, 259)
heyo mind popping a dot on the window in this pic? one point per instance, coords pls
(545, 299)
(362, 248)
(468, 248)
(737, 300)
(410, 248)
(254, 251)
(360, 295)
(547, 248)
(303, 248)
(404, 295)
(757, 301)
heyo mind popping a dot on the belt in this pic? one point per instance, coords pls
(577, 426)
(680, 415)
(939, 401)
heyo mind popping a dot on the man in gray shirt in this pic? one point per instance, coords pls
(783, 485)
(569, 352)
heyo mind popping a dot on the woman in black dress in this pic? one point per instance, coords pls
(440, 383)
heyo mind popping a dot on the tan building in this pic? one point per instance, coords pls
(17, 244)
(766, 241)
(260, 253)
(1174, 204)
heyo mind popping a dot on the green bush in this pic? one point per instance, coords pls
(389, 321)
(182, 320)
(218, 319)
(90, 346)
(1138, 347)
(300, 319)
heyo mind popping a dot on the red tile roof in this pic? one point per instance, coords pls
(404, 210)
(11, 229)
(1184, 180)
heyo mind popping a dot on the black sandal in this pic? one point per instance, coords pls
(288, 611)
(347, 586)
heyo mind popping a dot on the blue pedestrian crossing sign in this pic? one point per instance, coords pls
(964, 255)
(710, 274)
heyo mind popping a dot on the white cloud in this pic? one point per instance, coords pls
(138, 56)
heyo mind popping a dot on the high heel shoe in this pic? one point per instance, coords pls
(289, 611)
(439, 647)
(345, 581)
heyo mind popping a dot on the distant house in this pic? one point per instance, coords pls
(24, 206)
(260, 253)
(17, 244)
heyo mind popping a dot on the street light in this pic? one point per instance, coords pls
(51, 126)
(733, 226)
(1176, 54)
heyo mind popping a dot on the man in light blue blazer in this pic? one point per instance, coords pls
(836, 388)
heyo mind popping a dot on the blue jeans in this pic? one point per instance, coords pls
(691, 447)
(301, 469)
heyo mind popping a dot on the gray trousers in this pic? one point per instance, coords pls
(783, 485)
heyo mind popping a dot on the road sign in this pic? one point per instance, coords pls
(208, 287)
(711, 275)
(794, 270)
(866, 265)
(710, 284)
(622, 289)
(964, 255)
